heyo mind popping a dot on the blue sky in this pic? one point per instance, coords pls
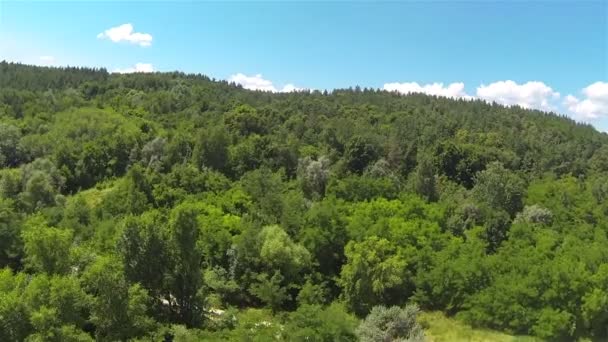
(550, 55)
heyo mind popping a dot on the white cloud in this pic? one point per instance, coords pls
(455, 90)
(288, 88)
(593, 106)
(139, 67)
(46, 60)
(257, 82)
(533, 94)
(125, 33)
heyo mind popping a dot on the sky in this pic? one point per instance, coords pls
(548, 54)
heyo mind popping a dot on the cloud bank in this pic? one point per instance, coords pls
(46, 60)
(532, 95)
(138, 67)
(257, 82)
(594, 104)
(453, 90)
(125, 33)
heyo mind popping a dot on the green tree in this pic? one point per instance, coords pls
(315, 323)
(325, 236)
(535, 214)
(132, 196)
(269, 290)
(245, 120)
(359, 154)
(145, 254)
(153, 153)
(38, 192)
(15, 324)
(211, 149)
(279, 252)
(458, 163)
(424, 180)
(312, 294)
(118, 310)
(313, 175)
(10, 183)
(391, 324)
(373, 274)
(594, 315)
(79, 216)
(46, 167)
(356, 188)
(500, 188)
(265, 188)
(58, 308)
(187, 274)
(10, 234)
(47, 249)
(455, 272)
(11, 153)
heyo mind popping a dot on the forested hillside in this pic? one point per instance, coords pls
(171, 206)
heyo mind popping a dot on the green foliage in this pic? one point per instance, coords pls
(153, 153)
(256, 326)
(269, 290)
(458, 163)
(315, 323)
(43, 320)
(500, 189)
(118, 309)
(211, 149)
(438, 327)
(10, 237)
(279, 252)
(78, 216)
(38, 192)
(11, 152)
(373, 274)
(165, 205)
(360, 153)
(10, 183)
(42, 308)
(313, 175)
(391, 324)
(186, 277)
(535, 214)
(424, 181)
(245, 120)
(146, 256)
(456, 272)
(218, 229)
(222, 286)
(361, 188)
(312, 294)
(325, 236)
(266, 189)
(47, 249)
(88, 145)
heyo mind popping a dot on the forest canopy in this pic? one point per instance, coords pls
(174, 206)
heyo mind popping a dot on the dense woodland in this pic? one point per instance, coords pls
(168, 206)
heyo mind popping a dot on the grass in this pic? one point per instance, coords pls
(94, 196)
(439, 328)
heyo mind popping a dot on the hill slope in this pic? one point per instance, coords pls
(137, 206)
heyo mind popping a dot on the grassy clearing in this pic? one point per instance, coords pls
(94, 196)
(439, 328)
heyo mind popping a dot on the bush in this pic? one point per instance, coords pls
(391, 324)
